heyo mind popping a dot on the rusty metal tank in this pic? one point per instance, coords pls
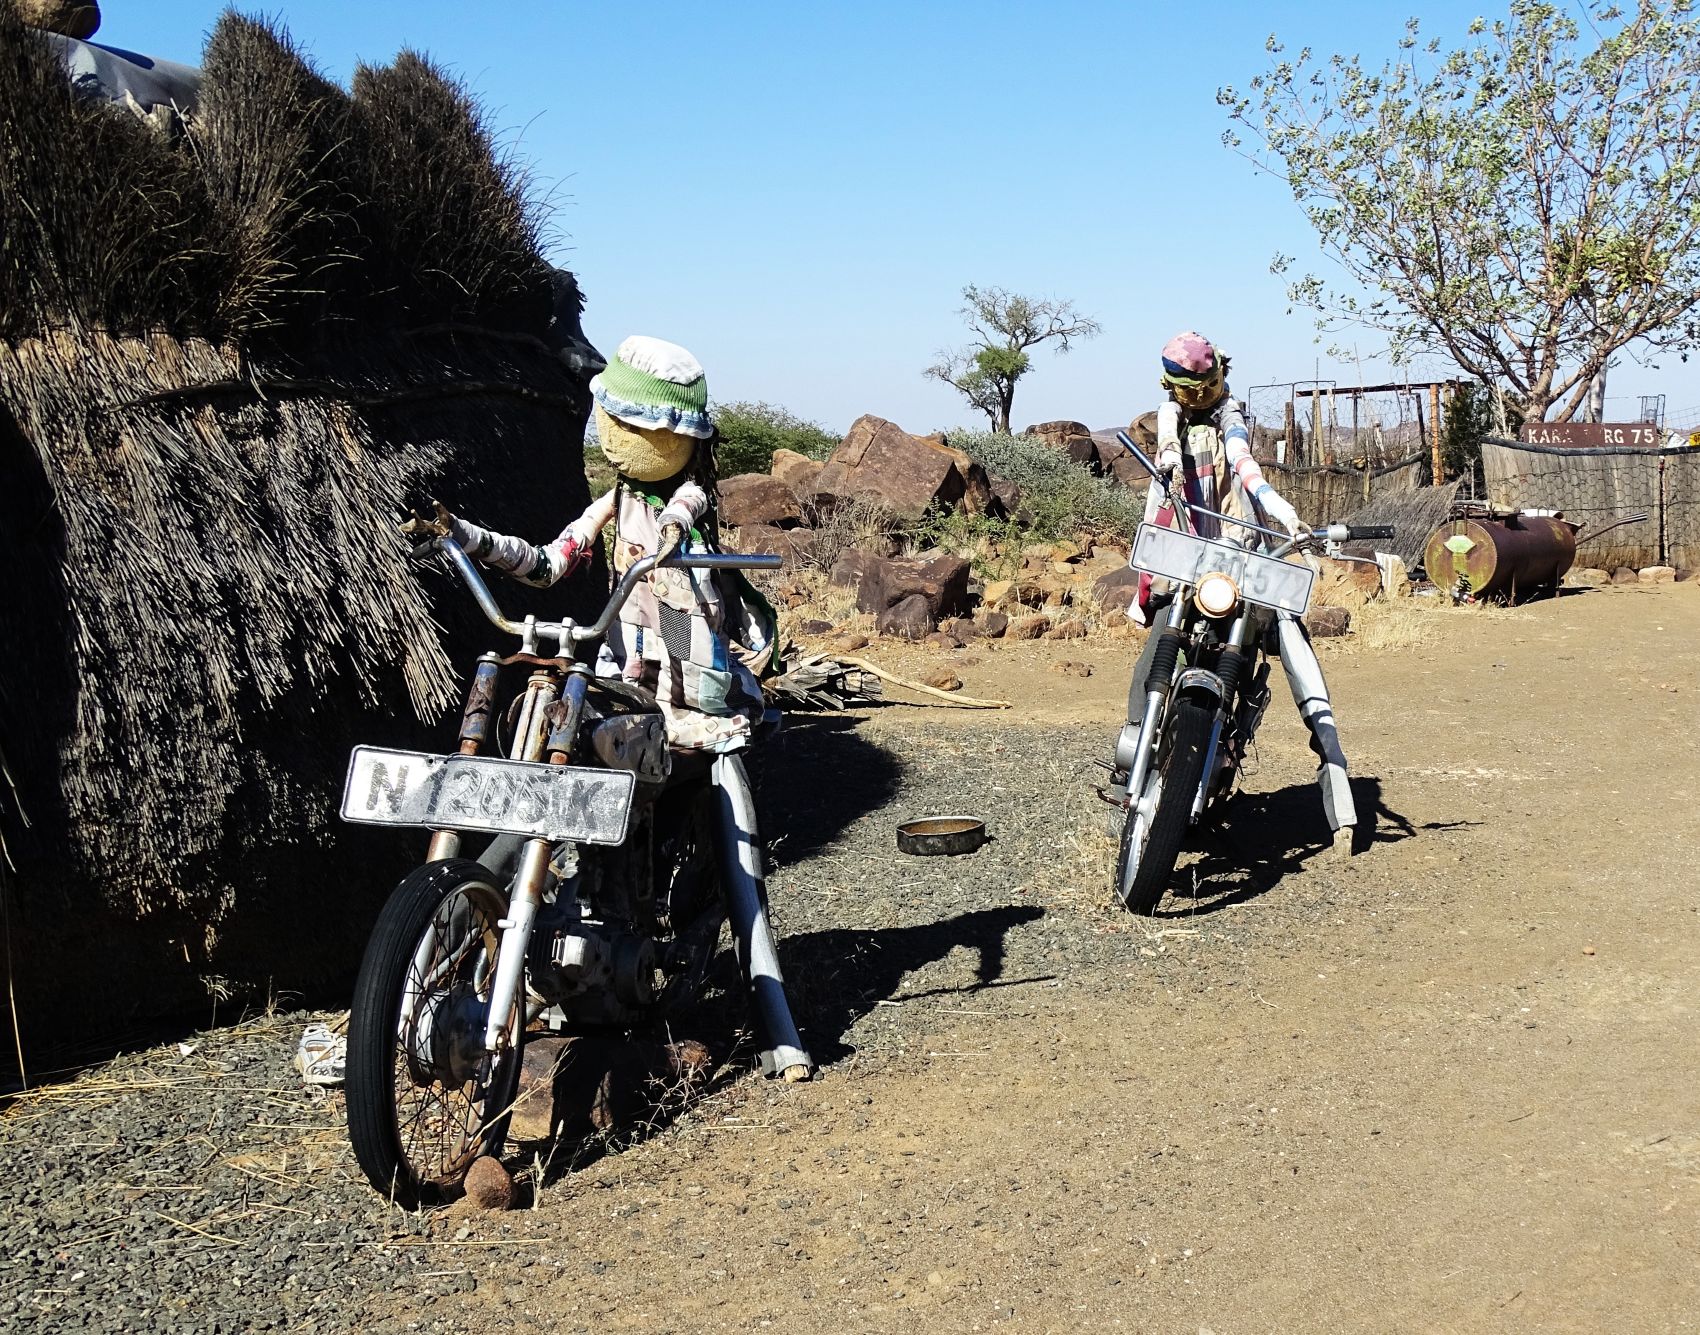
(1511, 558)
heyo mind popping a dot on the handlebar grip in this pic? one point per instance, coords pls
(1357, 531)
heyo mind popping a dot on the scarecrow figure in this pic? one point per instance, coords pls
(674, 633)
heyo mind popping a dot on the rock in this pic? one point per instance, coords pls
(756, 498)
(1071, 438)
(1327, 622)
(939, 640)
(1070, 628)
(908, 619)
(1070, 667)
(66, 17)
(1064, 552)
(941, 581)
(1625, 575)
(996, 591)
(533, 1116)
(1658, 574)
(962, 628)
(878, 460)
(851, 569)
(1007, 495)
(488, 1185)
(1683, 576)
(797, 471)
(991, 622)
(1117, 589)
(847, 643)
(792, 545)
(943, 679)
(1028, 627)
(1587, 577)
(814, 626)
(689, 1060)
(1345, 583)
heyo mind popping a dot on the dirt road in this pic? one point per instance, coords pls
(1447, 1085)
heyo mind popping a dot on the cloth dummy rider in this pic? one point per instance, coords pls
(1201, 431)
(674, 632)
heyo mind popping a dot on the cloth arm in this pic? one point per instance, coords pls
(537, 564)
(1237, 441)
(688, 504)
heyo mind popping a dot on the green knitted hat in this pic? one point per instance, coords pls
(652, 383)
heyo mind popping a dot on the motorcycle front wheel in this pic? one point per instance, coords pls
(425, 1098)
(1156, 822)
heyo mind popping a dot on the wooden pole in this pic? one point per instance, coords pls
(1434, 430)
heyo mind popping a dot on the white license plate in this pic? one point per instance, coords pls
(1283, 585)
(555, 802)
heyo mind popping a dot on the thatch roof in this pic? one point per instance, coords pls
(229, 356)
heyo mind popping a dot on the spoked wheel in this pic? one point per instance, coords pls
(1157, 818)
(424, 1097)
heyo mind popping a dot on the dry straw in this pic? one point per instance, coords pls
(229, 357)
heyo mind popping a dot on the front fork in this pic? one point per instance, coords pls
(1230, 667)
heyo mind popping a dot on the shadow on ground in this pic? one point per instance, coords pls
(816, 777)
(1265, 837)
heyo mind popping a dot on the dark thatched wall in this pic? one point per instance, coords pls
(229, 357)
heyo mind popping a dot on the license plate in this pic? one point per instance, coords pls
(1283, 585)
(555, 802)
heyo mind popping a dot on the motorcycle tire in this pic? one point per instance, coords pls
(424, 1098)
(1146, 858)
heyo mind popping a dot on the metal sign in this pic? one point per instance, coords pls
(1592, 434)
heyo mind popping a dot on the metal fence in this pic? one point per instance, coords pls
(1602, 485)
(1324, 422)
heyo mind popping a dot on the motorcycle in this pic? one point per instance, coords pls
(612, 864)
(1208, 684)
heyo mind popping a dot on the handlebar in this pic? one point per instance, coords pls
(569, 632)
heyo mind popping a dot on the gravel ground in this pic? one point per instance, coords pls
(201, 1187)
(1441, 1085)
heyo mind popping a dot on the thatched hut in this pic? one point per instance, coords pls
(233, 346)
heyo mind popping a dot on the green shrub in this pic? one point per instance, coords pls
(751, 432)
(1058, 496)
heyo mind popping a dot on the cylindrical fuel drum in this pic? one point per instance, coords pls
(1510, 558)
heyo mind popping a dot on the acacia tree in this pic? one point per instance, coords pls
(1528, 205)
(1005, 326)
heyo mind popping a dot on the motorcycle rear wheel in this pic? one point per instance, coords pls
(1157, 819)
(424, 1097)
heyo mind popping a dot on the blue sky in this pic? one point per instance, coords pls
(798, 193)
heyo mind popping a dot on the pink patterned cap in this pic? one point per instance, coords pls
(1189, 354)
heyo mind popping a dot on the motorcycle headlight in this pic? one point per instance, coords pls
(1216, 595)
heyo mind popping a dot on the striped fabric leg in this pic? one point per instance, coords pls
(1310, 694)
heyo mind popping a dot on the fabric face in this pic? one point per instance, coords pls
(1196, 393)
(644, 454)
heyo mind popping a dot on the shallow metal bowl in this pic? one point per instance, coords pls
(941, 834)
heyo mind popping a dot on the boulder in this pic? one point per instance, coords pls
(939, 640)
(880, 461)
(996, 591)
(797, 471)
(814, 626)
(1069, 628)
(756, 498)
(1007, 495)
(1625, 575)
(847, 642)
(908, 619)
(1658, 574)
(940, 581)
(992, 623)
(1071, 438)
(942, 679)
(961, 628)
(1587, 577)
(795, 545)
(851, 569)
(66, 17)
(1028, 627)
(1326, 622)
